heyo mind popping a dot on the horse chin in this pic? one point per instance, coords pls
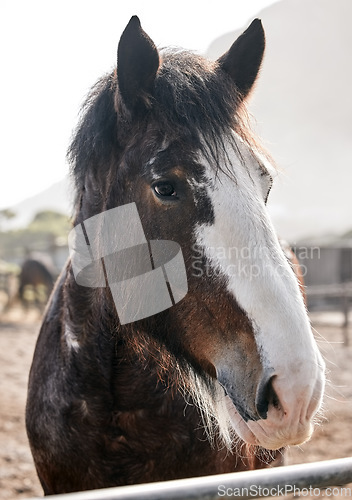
(239, 425)
(261, 433)
(272, 438)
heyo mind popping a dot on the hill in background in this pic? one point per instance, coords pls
(303, 111)
(57, 197)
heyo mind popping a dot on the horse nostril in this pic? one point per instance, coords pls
(266, 396)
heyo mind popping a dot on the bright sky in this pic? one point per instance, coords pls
(53, 52)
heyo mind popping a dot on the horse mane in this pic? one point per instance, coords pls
(193, 100)
(96, 132)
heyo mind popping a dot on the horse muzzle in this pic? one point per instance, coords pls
(278, 410)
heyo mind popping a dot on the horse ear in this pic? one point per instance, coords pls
(243, 60)
(137, 65)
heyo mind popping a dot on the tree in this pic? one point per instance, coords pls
(51, 222)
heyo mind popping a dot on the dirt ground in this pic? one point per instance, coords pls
(18, 332)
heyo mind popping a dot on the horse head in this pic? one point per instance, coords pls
(172, 129)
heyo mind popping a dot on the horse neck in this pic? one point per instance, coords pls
(120, 352)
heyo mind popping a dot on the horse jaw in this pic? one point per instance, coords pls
(265, 288)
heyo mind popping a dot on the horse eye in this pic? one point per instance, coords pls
(164, 190)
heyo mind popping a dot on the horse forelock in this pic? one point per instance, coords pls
(198, 102)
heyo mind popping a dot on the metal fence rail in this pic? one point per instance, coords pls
(342, 291)
(245, 485)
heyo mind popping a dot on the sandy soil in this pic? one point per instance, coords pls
(18, 331)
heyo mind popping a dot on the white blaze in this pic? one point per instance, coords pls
(243, 246)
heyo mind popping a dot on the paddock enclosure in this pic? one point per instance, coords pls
(18, 332)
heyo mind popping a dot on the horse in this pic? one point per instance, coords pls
(221, 380)
(35, 274)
